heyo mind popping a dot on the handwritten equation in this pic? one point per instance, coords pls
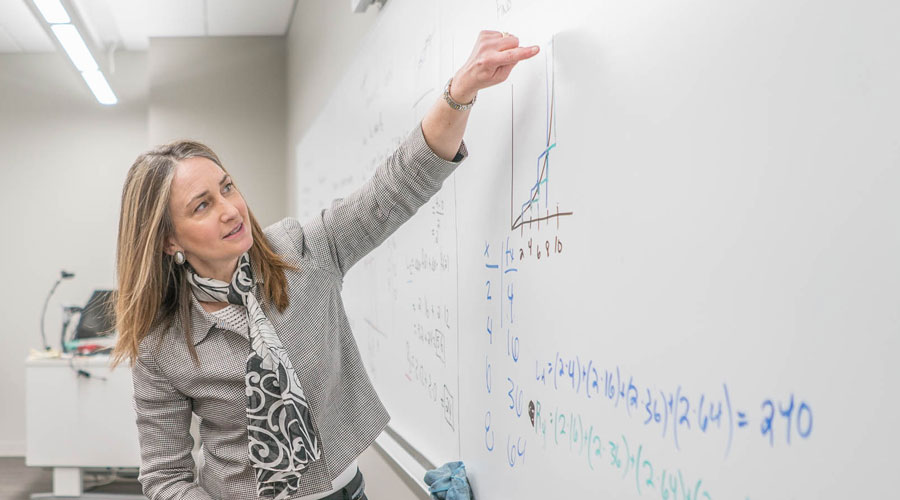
(677, 411)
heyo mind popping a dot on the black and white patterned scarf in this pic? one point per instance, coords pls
(282, 440)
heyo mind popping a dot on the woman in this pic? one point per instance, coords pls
(245, 327)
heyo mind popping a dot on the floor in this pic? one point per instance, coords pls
(18, 481)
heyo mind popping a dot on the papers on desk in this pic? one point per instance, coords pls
(77, 348)
(51, 354)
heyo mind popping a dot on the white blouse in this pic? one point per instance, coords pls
(236, 319)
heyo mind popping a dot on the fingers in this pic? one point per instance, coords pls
(493, 58)
(488, 34)
(505, 42)
(511, 56)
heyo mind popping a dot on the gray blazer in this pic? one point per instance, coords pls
(347, 412)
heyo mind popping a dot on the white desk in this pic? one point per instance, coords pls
(74, 422)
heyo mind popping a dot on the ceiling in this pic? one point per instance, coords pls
(129, 24)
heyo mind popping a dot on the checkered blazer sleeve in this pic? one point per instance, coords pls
(163, 417)
(342, 234)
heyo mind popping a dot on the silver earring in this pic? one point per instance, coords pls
(179, 257)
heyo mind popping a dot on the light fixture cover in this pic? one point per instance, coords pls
(99, 86)
(53, 11)
(74, 46)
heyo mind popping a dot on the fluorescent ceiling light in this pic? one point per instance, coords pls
(52, 10)
(99, 86)
(79, 53)
(71, 41)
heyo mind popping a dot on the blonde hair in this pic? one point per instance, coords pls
(152, 288)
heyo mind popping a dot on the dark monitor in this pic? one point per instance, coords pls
(96, 319)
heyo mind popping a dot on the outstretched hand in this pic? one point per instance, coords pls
(492, 59)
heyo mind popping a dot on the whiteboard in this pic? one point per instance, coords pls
(669, 266)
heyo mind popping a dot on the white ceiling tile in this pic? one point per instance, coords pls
(248, 18)
(131, 20)
(86, 11)
(23, 29)
(128, 24)
(176, 18)
(99, 21)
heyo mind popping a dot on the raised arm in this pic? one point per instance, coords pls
(340, 235)
(492, 59)
(163, 417)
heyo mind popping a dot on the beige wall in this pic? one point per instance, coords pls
(63, 159)
(228, 93)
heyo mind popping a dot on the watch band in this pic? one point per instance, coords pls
(453, 104)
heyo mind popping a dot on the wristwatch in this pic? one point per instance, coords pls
(453, 104)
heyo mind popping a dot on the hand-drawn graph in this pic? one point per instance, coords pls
(529, 211)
